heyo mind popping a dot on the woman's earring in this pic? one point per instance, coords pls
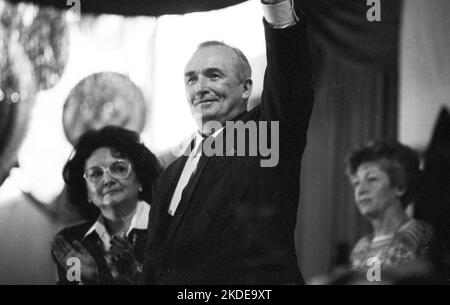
(140, 189)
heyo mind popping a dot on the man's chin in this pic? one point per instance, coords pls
(206, 116)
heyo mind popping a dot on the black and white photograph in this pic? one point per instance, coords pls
(225, 148)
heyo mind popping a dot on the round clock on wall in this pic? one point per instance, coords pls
(105, 98)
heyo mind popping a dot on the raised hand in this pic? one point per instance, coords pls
(63, 250)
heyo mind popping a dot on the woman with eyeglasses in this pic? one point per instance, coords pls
(109, 178)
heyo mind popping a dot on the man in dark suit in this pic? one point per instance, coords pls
(227, 219)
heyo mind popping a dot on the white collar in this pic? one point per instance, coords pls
(199, 137)
(139, 221)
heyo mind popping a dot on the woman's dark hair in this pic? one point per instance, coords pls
(128, 145)
(400, 162)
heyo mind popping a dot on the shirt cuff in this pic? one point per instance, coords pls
(280, 15)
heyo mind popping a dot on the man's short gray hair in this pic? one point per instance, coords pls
(244, 70)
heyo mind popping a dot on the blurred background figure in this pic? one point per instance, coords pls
(433, 202)
(109, 178)
(385, 177)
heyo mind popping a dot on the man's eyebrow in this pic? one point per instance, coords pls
(189, 73)
(212, 70)
(204, 71)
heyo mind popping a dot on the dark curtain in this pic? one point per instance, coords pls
(341, 26)
(356, 84)
(140, 7)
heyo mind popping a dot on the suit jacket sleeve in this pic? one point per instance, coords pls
(287, 93)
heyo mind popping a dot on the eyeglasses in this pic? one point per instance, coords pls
(119, 169)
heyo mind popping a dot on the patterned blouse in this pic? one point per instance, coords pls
(409, 242)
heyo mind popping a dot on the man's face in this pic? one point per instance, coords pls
(212, 88)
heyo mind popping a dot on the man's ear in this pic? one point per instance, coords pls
(247, 88)
(400, 191)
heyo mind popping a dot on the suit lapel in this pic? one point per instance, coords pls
(191, 186)
(159, 220)
(186, 196)
(173, 177)
(172, 181)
